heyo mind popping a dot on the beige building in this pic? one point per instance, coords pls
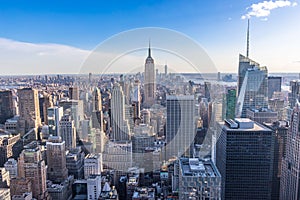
(29, 110)
(33, 168)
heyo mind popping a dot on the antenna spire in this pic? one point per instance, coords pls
(248, 38)
(149, 49)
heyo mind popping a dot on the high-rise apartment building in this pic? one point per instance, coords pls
(120, 126)
(244, 157)
(180, 125)
(29, 110)
(6, 106)
(56, 160)
(289, 183)
(150, 80)
(33, 168)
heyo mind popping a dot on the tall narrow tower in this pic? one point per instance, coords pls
(120, 126)
(149, 84)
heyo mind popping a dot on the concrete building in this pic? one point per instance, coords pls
(61, 191)
(289, 182)
(262, 115)
(11, 165)
(20, 186)
(68, 131)
(74, 162)
(280, 129)
(117, 156)
(74, 93)
(136, 99)
(274, 85)
(180, 125)
(294, 95)
(54, 115)
(33, 168)
(4, 178)
(197, 179)
(57, 171)
(7, 141)
(244, 157)
(92, 165)
(6, 106)
(94, 187)
(29, 110)
(120, 125)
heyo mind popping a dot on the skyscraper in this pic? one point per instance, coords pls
(29, 109)
(120, 126)
(54, 116)
(68, 131)
(289, 183)
(252, 86)
(6, 106)
(180, 125)
(74, 93)
(136, 99)
(244, 155)
(56, 159)
(295, 93)
(97, 114)
(274, 85)
(230, 104)
(149, 84)
(33, 168)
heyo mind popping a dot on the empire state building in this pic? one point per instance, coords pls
(149, 85)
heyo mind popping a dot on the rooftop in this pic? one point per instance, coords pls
(243, 124)
(198, 168)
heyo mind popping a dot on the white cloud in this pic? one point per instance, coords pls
(29, 58)
(263, 9)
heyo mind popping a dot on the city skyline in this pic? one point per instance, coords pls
(34, 37)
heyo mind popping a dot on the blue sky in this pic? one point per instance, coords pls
(214, 24)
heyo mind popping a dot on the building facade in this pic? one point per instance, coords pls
(244, 157)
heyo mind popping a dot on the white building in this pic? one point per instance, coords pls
(94, 187)
(68, 131)
(92, 165)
